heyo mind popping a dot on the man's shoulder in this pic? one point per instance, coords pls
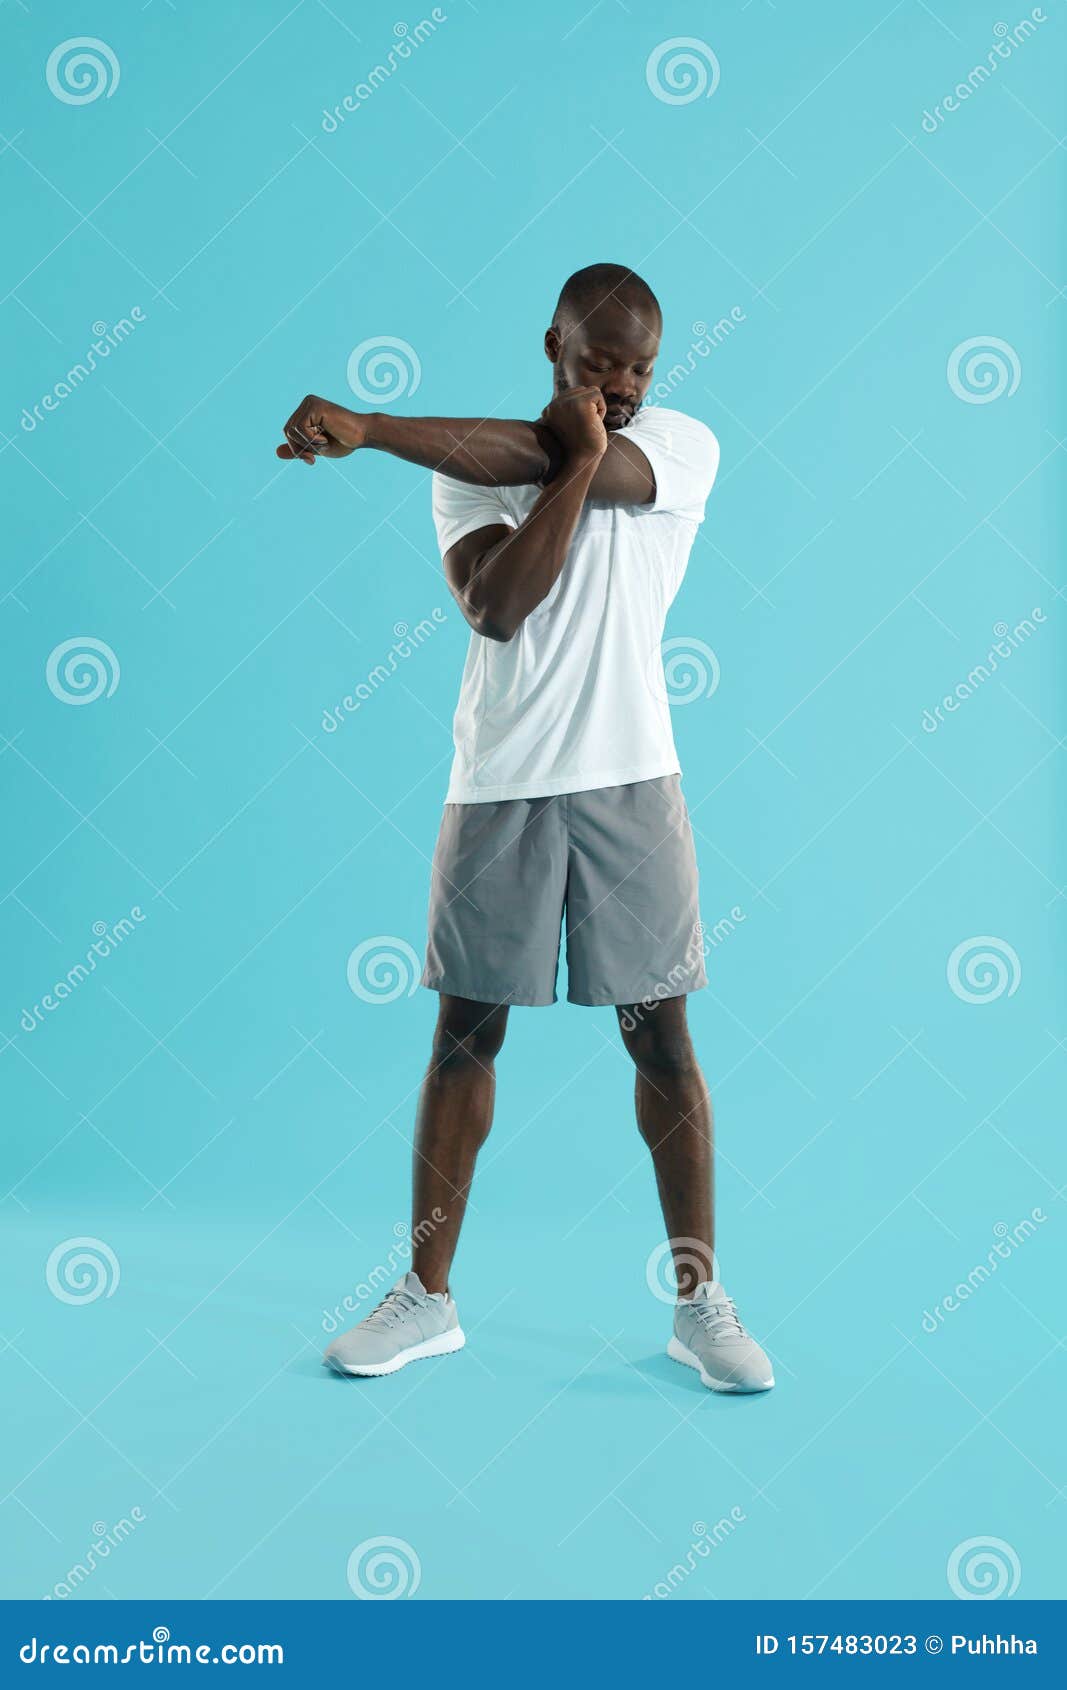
(679, 435)
(660, 418)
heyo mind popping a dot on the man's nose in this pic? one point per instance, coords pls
(621, 385)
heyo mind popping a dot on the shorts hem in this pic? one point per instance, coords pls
(651, 998)
(482, 994)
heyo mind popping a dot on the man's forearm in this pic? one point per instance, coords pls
(485, 451)
(514, 576)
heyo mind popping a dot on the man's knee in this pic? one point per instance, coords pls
(657, 1039)
(468, 1035)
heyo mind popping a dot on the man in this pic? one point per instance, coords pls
(564, 542)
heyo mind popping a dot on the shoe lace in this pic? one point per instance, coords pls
(719, 1319)
(394, 1307)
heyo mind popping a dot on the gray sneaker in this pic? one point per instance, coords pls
(709, 1336)
(409, 1323)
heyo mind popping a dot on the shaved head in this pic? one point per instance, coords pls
(588, 288)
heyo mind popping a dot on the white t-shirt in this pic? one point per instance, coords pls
(576, 699)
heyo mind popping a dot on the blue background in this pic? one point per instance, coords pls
(218, 1107)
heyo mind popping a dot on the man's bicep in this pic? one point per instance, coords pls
(624, 475)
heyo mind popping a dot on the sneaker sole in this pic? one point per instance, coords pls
(679, 1352)
(445, 1345)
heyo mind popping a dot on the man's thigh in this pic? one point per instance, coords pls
(496, 901)
(633, 908)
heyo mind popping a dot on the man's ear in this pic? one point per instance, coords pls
(552, 346)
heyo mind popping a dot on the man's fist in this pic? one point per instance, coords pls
(318, 429)
(576, 418)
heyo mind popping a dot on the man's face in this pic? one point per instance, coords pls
(615, 349)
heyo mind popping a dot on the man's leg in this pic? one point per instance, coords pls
(454, 1116)
(674, 1116)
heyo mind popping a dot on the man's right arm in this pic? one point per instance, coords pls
(498, 575)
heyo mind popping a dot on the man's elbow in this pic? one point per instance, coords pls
(492, 621)
(487, 605)
(493, 626)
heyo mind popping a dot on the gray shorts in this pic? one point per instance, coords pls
(617, 861)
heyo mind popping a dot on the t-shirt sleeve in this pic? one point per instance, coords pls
(684, 457)
(459, 508)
